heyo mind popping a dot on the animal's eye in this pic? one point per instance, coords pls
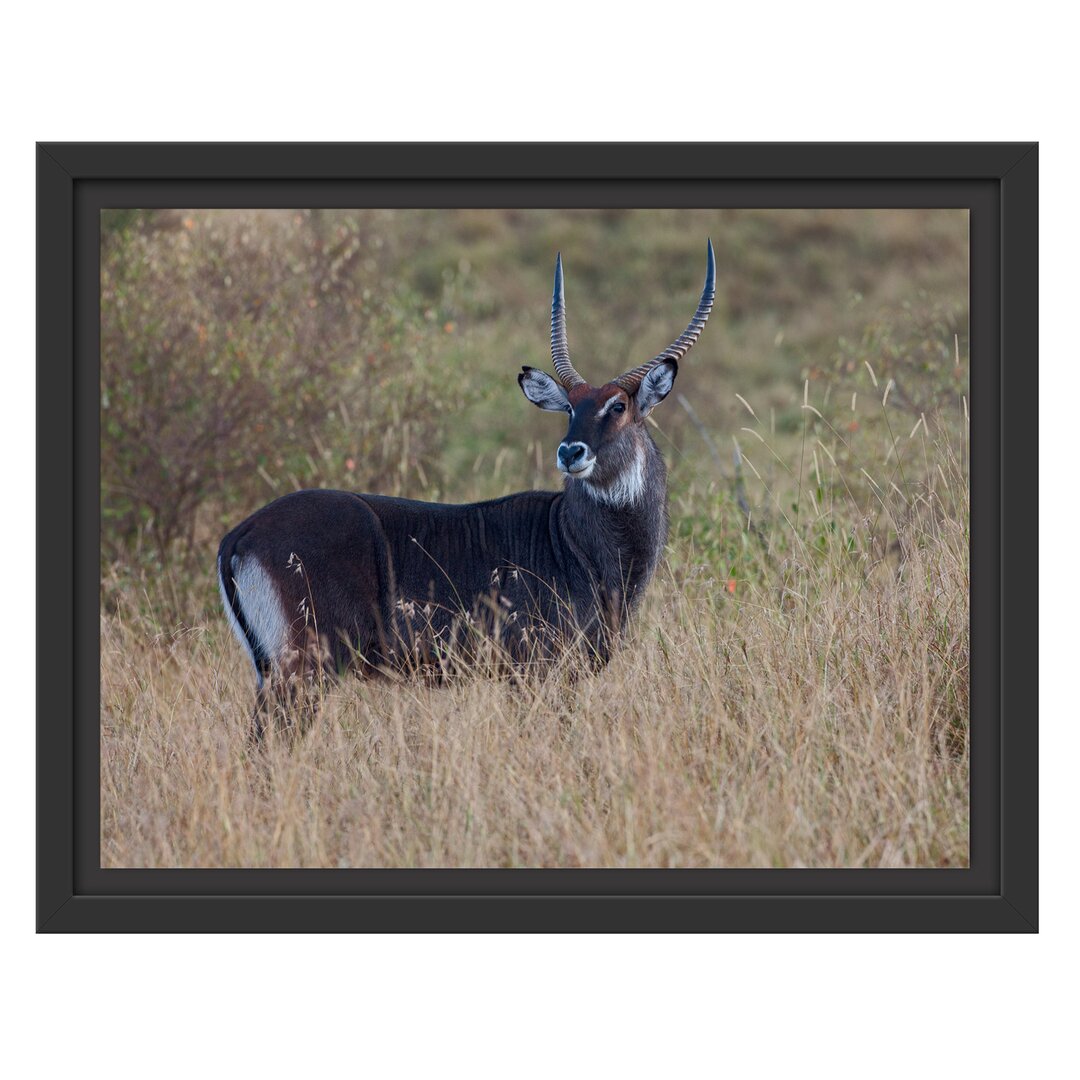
(618, 407)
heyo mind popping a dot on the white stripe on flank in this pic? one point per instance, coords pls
(261, 604)
(240, 635)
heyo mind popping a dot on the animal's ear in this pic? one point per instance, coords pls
(655, 386)
(541, 389)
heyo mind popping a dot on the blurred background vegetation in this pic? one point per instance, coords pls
(249, 353)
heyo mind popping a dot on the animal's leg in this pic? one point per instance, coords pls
(291, 696)
(261, 714)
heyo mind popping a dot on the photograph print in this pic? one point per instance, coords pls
(534, 538)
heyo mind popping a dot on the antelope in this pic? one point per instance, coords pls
(320, 581)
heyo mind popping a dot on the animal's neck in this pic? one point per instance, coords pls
(621, 529)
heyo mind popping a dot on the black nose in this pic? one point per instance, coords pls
(570, 454)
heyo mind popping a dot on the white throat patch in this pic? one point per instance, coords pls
(628, 487)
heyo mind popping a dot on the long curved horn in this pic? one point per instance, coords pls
(631, 380)
(560, 352)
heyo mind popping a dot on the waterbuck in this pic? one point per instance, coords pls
(319, 581)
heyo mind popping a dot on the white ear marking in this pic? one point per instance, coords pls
(542, 390)
(655, 386)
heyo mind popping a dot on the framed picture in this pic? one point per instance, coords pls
(537, 537)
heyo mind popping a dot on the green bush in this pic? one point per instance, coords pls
(245, 355)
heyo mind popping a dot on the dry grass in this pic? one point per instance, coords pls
(818, 723)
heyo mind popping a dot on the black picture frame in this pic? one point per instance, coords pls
(998, 182)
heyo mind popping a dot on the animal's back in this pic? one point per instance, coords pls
(370, 577)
